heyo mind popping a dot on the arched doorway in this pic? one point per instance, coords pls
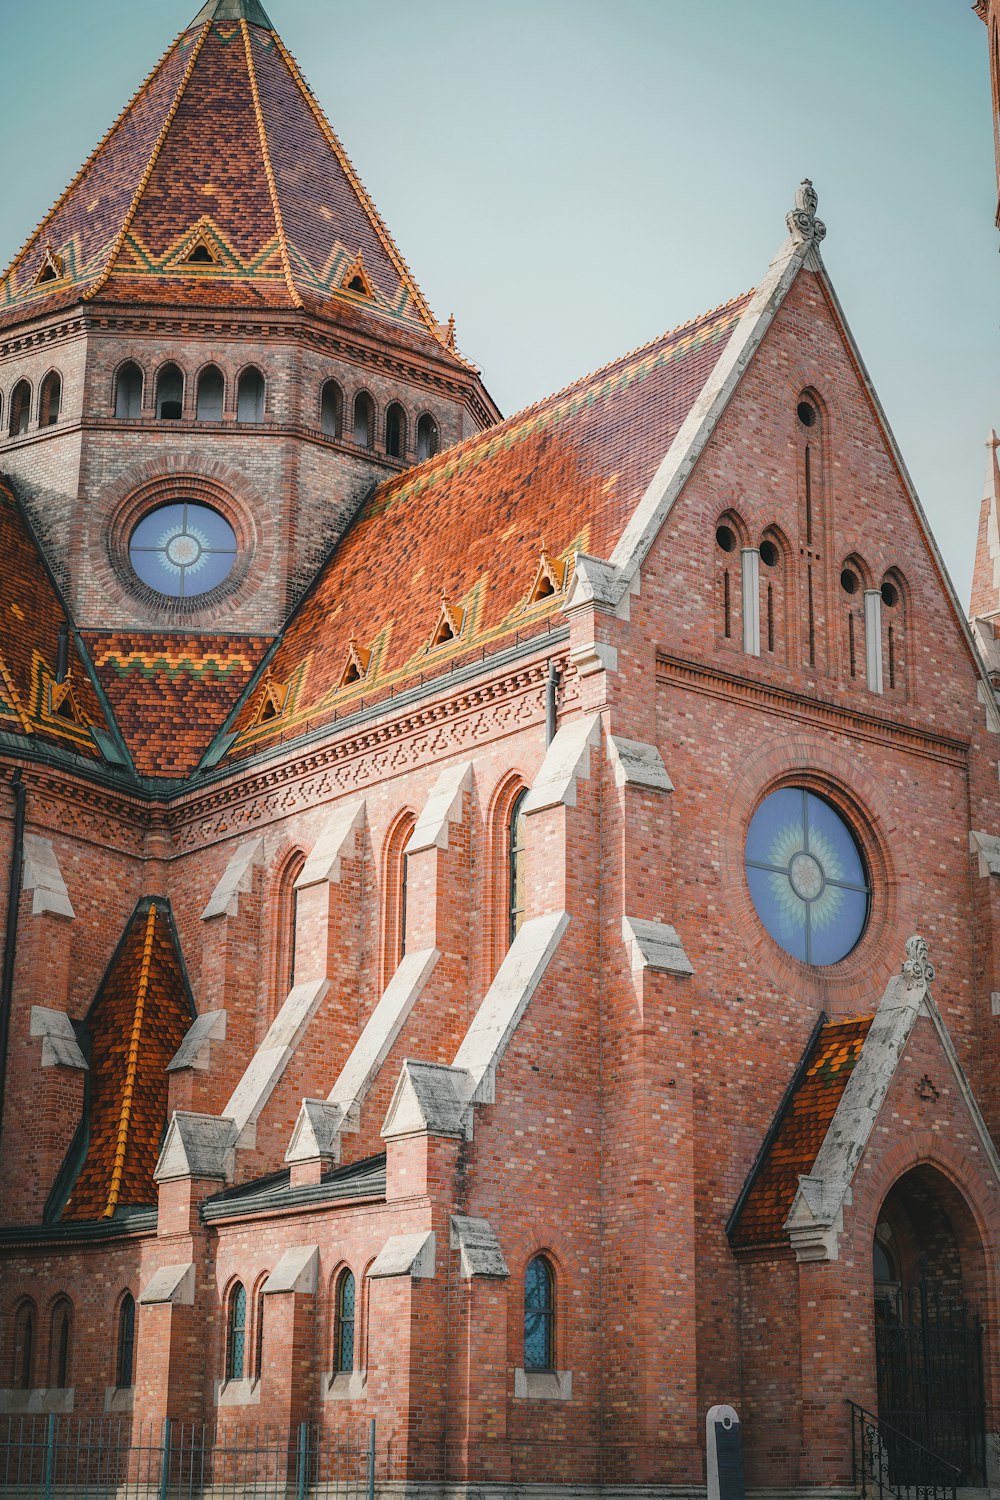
(929, 1274)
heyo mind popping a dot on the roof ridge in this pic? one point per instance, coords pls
(131, 1065)
(105, 138)
(364, 197)
(272, 186)
(149, 168)
(467, 444)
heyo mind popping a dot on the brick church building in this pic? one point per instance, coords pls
(500, 931)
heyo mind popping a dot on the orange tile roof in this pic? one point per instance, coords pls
(136, 1024)
(224, 147)
(31, 619)
(566, 473)
(800, 1131)
(170, 693)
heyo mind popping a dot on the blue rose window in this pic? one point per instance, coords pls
(183, 550)
(807, 876)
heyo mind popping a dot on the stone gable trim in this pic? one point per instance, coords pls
(788, 704)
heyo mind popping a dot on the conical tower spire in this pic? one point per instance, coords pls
(986, 574)
(250, 11)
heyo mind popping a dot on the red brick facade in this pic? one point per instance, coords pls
(312, 779)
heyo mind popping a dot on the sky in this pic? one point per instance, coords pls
(572, 177)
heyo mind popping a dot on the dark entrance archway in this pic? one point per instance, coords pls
(929, 1280)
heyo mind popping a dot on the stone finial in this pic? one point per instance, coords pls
(917, 968)
(802, 222)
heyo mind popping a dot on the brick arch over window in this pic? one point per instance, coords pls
(853, 580)
(895, 621)
(169, 393)
(129, 386)
(20, 408)
(211, 394)
(775, 593)
(60, 1343)
(729, 538)
(50, 399)
(394, 892)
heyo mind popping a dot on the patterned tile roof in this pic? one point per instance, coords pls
(138, 1020)
(471, 525)
(171, 693)
(32, 618)
(798, 1132)
(220, 183)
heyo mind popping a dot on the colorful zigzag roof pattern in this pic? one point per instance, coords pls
(799, 1133)
(220, 184)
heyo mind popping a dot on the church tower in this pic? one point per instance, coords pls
(211, 348)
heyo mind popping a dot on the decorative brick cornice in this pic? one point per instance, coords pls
(813, 711)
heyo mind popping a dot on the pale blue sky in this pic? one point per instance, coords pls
(571, 177)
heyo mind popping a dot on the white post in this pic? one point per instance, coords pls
(873, 639)
(751, 600)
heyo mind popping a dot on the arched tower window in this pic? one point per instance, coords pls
(128, 391)
(125, 1357)
(893, 612)
(23, 1363)
(170, 394)
(250, 396)
(286, 906)
(773, 571)
(331, 410)
(363, 430)
(515, 866)
(50, 399)
(236, 1333)
(539, 1315)
(428, 437)
(395, 431)
(211, 394)
(395, 888)
(59, 1344)
(730, 540)
(20, 408)
(344, 1322)
(809, 438)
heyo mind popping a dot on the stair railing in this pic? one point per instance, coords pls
(887, 1464)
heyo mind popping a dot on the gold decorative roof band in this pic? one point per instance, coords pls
(279, 224)
(132, 1066)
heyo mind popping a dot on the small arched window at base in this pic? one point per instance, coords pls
(23, 1362)
(125, 1358)
(539, 1315)
(236, 1333)
(62, 1323)
(344, 1324)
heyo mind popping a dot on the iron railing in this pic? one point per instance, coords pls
(887, 1464)
(65, 1458)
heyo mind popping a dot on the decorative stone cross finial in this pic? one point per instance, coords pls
(917, 968)
(802, 222)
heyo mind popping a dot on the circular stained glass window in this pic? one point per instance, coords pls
(183, 550)
(807, 876)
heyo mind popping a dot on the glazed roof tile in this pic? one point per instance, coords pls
(798, 1133)
(136, 1024)
(32, 617)
(470, 524)
(223, 149)
(170, 693)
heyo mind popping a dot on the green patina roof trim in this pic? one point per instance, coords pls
(233, 10)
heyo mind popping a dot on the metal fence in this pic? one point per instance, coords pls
(62, 1458)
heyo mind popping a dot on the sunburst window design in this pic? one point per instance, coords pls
(807, 876)
(183, 549)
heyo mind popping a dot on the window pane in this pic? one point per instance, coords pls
(831, 841)
(838, 920)
(776, 830)
(536, 1341)
(780, 910)
(183, 549)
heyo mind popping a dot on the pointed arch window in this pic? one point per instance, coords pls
(428, 437)
(128, 391)
(250, 396)
(258, 1333)
(20, 408)
(395, 886)
(516, 876)
(364, 420)
(211, 394)
(395, 431)
(236, 1333)
(170, 394)
(893, 612)
(126, 1342)
(62, 1315)
(331, 410)
(24, 1348)
(539, 1315)
(287, 906)
(344, 1323)
(50, 399)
